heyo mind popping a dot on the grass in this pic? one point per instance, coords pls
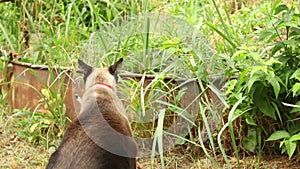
(200, 39)
(17, 152)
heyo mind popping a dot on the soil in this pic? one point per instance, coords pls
(18, 153)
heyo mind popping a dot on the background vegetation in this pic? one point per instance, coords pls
(255, 45)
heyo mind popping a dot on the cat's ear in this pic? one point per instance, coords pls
(84, 68)
(113, 69)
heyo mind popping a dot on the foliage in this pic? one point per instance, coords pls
(37, 128)
(45, 127)
(255, 44)
(39, 30)
(269, 78)
(289, 142)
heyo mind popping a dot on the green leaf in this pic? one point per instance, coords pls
(296, 75)
(46, 121)
(277, 47)
(280, 8)
(277, 111)
(252, 80)
(288, 16)
(276, 86)
(179, 141)
(290, 146)
(258, 70)
(279, 134)
(271, 62)
(171, 43)
(295, 137)
(230, 85)
(46, 93)
(217, 30)
(250, 141)
(26, 60)
(295, 110)
(244, 75)
(294, 129)
(250, 121)
(266, 108)
(292, 43)
(267, 35)
(283, 148)
(296, 89)
(33, 127)
(274, 6)
(296, 107)
(186, 50)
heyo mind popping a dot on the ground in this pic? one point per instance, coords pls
(17, 152)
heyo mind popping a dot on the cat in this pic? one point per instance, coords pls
(101, 136)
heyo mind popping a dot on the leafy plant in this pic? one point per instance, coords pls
(270, 78)
(256, 45)
(37, 127)
(45, 125)
(289, 142)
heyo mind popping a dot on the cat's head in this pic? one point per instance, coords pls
(105, 76)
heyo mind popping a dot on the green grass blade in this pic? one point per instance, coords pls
(227, 38)
(231, 118)
(68, 19)
(92, 9)
(158, 139)
(7, 37)
(205, 150)
(202, 113)
(225, 28)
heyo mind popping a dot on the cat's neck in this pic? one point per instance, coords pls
(99, 84)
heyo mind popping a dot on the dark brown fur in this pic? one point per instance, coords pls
(100, 115)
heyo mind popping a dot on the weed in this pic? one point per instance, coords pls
(267, 78)
(254, 44)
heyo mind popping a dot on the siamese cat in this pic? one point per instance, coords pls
(100, 137)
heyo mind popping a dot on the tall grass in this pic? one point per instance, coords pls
(196, 39)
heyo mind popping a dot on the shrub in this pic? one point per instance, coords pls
(270, 81)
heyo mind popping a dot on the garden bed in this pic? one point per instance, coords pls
(31, 86)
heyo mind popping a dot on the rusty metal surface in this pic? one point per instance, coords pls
(27, 82)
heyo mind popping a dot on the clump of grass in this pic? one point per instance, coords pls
(175, 42)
